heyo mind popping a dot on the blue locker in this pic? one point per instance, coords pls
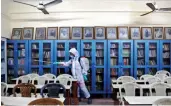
(165, 55)
(40, 50)
(96, 51)
(17, 58)
(146, 59)
(61, 54)
(120, 60)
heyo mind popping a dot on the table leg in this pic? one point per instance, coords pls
(114, 95)
(68, 96)
(74, 91)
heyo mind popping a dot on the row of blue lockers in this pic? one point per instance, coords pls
(109, 59)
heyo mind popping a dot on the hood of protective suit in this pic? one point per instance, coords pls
(74, 51)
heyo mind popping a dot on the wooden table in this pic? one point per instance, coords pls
(143, 100)
(21, 101)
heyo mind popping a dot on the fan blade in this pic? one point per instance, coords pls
(44, 11)
(24, 3)
(164, 9)
(53, 3)
(151, 6)
(146, 13)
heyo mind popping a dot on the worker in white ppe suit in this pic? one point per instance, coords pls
(77, 73)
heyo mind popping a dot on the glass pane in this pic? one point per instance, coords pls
(10, 72)
(72, 45)
(114, 54)
(60, 71)
(46, 53)
(46, 70)
(21, 72)
(99, 54)
(2, 51)
(60, 52)
(87, 51)
(140, 72)
(35, 70)
(126, 53)
(99, 78)
(88, 82)
(35, 54)
(140, 54)
(152, 71)
(152, 54)
(126, 72)
(166, 54)
(167, 69)
(114, 73)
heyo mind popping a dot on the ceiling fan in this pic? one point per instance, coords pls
(154, 8)
(42, 6)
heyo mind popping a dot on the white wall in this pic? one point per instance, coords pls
(5, 19)
(89, 13)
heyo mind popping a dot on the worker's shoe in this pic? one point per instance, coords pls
(89, 101)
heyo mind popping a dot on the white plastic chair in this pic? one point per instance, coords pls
(40, 80)
(162, 102)
(161, 76)
(64, 80)
(160, 88)
(66, 75)
(32, 75)
(167, 80)
(24, 79)
(125, 79)
(129, 88)
(152, 80)
(145, 77)
(163, 72)
(4, 89)
(50, 76)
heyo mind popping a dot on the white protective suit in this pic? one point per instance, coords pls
(77, 72)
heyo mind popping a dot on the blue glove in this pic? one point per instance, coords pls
(56, 63)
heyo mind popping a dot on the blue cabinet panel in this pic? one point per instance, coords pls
(146, 57)
(17, 58)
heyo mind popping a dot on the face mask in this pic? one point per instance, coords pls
(71, 56)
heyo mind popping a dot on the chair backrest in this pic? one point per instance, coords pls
(66, 75)
(162, 102)
(25, 89)
(46, 101)
(161, 76)
(50, 76)
(23, 79)
(32, 75)
(41, 80)
(160, 88)
(167, 80)
(53, 90)
(129, 88)
(144, 77)
(4, 88)
(163, 72)
(64, 80)
(152, 80)
(125, 79)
